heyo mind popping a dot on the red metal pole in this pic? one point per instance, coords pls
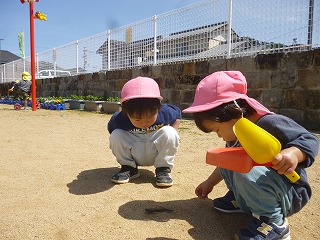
(33, 62)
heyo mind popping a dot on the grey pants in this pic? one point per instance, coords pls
(156, 148)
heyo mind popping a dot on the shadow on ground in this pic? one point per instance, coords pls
(207, 222)
(98, 180)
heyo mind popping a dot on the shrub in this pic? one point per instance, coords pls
(113, 99)
(94, 98)
(76, 97)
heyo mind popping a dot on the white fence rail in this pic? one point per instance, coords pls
(208, 29)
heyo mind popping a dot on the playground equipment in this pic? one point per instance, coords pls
(20, 103)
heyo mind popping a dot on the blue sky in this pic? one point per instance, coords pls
(70, 20)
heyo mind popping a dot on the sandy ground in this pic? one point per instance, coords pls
(55, 184)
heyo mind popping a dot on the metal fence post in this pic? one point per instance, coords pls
(13, 77)
(77, 56)
(4, 71)
(1, 39)
(54, 61)
(24, 64)
(37, 61)
(109, 41)
(155, 40)
(229, 30)
(310, 23)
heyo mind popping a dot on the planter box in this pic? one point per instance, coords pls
(76, 104)
(66, 103)
(93, 105)
(111, 107)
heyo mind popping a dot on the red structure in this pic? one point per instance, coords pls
(32, 51)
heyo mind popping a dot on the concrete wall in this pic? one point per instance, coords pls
(286, 83)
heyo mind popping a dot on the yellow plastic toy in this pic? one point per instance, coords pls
(260, 145)
(40, 16)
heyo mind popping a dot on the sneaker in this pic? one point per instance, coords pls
(259, 230)
(227, 204)
(163, 177)
(125, 174)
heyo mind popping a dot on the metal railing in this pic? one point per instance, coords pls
(208, 29)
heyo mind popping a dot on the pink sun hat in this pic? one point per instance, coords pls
(140, 87)
(222, 87)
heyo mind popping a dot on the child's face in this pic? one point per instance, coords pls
(224, 130)
(144, 121)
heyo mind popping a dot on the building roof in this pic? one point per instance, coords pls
(7, 56)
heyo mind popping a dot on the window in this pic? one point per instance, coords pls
(43, 73)
(181, 47)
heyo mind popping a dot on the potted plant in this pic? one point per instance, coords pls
(58, 104)
(93, 103)
(112, 105)
(45, 102)
(76, 102)
(53, 103)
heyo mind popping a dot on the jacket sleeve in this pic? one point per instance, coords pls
(290, 133)
(174, 113)
(112, 124)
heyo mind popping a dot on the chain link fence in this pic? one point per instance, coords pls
(205, 30)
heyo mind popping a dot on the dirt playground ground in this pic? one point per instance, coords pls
(55, 184)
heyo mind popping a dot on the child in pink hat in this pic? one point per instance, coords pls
(144, 133)
(265, 193)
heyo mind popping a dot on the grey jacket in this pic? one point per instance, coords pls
(23, 85)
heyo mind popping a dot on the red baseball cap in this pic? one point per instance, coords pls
(140, 87)
(222, 87)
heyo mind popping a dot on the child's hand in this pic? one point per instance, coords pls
(287, 160)
(204, 189)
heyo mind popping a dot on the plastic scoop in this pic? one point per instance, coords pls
(235, 159)
(260, 145)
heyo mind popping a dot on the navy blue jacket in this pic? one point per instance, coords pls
(290, 133)
(167, 115)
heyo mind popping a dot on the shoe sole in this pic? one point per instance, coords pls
(127, 180)
(228, 211)
(164, 184)
(236, 237)
(286, 237)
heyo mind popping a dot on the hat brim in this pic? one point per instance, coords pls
(27, 78)
(194, 108)
(260, 109)
(141, 96)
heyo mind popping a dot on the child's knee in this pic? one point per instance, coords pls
(169, 133)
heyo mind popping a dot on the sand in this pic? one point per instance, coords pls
(55, 184)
